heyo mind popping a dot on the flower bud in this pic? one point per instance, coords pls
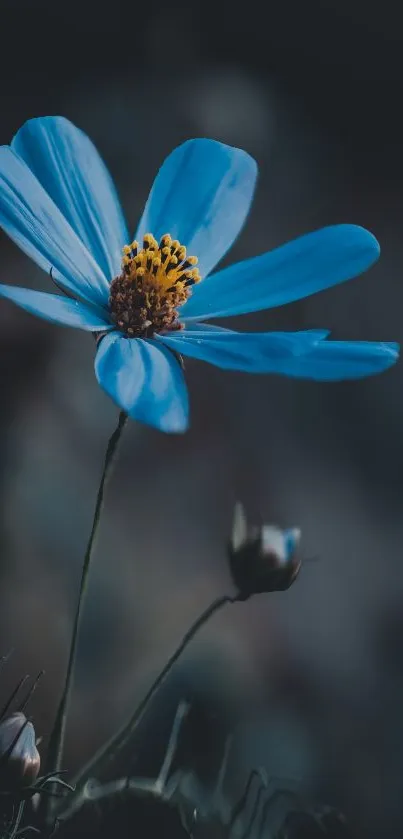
(19, 758)
(262, 559)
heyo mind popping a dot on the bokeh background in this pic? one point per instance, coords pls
(314, 91)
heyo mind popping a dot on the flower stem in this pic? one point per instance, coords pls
(56, 742)
(117, 742)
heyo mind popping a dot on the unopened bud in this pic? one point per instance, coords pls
(19, 758)
(262, 559)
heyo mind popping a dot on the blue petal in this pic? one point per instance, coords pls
(195, 326)
(300, 268)
(33, 221)
(68, 166)
(201, 196)
(337, 360)
(57, 309)
(145, 380)
(206, 328)
(256, 352)
(299, 354)
(292, 538)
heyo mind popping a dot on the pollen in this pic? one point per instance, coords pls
(156, 279)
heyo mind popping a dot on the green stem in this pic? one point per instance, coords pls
(56, 742)
(112, 747)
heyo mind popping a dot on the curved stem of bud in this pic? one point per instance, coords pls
(56, 742)
(117, 742)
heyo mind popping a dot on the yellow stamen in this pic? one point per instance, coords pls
(165, 241)
(156, 279)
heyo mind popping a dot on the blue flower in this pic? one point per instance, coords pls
(143, 299)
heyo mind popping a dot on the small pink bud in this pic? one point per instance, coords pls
(19, 758)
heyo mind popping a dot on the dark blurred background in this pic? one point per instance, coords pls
(314, 91)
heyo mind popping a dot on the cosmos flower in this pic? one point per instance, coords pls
(143, 299)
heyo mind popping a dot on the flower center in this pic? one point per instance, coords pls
(155, 280)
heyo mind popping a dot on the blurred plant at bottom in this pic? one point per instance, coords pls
(181, 803)
(261, 559)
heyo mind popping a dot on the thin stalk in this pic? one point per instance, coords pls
(56, 742)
